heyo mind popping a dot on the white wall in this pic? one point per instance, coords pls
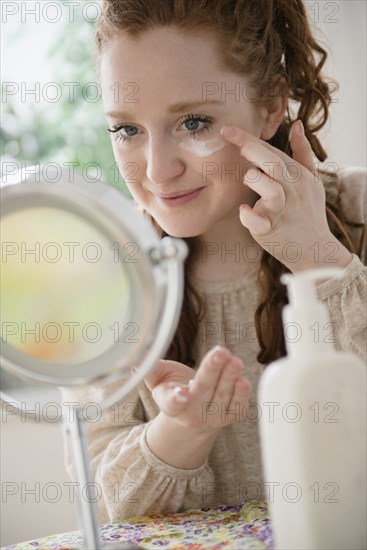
(31, 454)
(342, 29)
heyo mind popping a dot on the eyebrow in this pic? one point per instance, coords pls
(176, 108)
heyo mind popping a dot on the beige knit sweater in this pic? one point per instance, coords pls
(131, 480)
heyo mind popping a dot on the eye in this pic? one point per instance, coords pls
(129, 129)
(192, 121)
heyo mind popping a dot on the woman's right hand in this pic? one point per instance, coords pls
(216, 396)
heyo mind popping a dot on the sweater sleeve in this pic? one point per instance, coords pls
(346, 297)
(130, 480)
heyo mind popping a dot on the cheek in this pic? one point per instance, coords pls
(226, 173)
(135, 191)
(129, 166)
(226, 166)
(131, 175)
(209, 160)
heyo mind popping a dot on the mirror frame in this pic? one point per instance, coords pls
(102, 206)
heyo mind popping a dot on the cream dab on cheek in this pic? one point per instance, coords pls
(203, 148)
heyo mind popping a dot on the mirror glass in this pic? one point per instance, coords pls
(64, 289)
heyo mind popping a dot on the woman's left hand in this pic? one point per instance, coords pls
(289, 220)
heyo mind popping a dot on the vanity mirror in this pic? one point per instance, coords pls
(89, 290)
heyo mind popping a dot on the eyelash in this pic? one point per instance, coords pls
(201, 118)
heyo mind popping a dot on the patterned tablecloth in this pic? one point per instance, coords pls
(230, 527)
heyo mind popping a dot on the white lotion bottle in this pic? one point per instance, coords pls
(313, 430)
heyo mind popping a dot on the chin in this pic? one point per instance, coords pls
(181, 232)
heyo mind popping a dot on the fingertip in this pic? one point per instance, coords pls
(218, 347)
(180, 394)
(297, 130)
(300, 127)
(245, 385)
(240, 361)
(243, 211)
(246, 212)
(219, 355)
(228, 132)
(181, 399)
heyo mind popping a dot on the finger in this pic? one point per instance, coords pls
(171, 399)
(163, 372)
(210, 369)
(224, 391)
(257, 224)
(270, 163)
(240, 399)
(257, 153)
(239, 137)
(301, 147)
(158, 373)
(271, 192)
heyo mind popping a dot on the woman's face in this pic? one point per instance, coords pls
(167, 91)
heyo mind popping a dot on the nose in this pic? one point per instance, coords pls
(163, 161)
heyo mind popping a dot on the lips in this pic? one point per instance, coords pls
(182, 194)
(179, 199)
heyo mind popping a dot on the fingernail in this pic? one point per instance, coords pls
(218, 355)
(179, 395)
(216, 352)
(297, 128)
(233, 367)
(228, 131)
(300, 127)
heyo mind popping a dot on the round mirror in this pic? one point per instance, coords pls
(64, 292)
(84, 280)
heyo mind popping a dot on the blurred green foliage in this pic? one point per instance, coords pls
(72, 129)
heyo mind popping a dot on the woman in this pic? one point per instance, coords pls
(197, 99)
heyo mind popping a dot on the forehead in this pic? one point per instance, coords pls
(163, 61)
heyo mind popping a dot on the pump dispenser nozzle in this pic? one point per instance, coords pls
(306, 321)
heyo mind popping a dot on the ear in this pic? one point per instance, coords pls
(273, 112)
